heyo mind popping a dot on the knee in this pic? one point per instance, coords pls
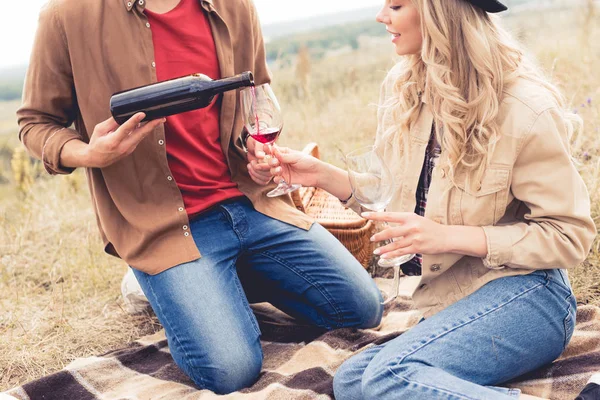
(390, 378)
(370, 308)
(347, 381)
(228, 372)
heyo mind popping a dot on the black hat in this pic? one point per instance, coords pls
(491, 6)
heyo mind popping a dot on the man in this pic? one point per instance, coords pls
(173, 197)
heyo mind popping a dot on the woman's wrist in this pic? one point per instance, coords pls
(466, 240)
(333, 180)
(321, 173)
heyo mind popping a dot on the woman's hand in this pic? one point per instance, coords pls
(413, 234)
(295, 166)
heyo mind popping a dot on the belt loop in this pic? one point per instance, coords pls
(548, 277)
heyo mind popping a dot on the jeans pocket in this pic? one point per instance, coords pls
(569, 322)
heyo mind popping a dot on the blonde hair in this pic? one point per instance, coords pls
(466, 61)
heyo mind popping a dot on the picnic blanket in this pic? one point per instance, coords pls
(299, 362)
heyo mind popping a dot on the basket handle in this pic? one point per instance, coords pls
(297, 195)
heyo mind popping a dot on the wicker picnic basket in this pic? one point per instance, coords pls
(349, 228)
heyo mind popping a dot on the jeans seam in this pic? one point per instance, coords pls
(563, 288)
(228, 215)
(241, 292)
(187, 357)
(447, 392)
(568, 316)
(311, 282)
(404, 356)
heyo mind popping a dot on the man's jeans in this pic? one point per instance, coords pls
(507, 328)
(204, 305)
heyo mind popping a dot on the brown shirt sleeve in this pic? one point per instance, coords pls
(49, 104)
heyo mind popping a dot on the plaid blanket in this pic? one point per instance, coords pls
(299, 362)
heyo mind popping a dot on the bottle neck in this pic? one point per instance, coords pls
(235, 82)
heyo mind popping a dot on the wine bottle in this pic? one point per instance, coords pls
(173, 96)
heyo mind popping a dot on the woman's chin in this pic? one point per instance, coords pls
(403, 51)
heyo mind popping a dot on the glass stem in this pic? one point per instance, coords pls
(396, 284)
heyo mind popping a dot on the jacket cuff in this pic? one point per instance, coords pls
(499, 247)
(352, 204)
(52, 149)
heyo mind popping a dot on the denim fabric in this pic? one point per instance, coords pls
(507, 328)
(203, 305)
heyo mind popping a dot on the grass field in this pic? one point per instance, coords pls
(60, 294)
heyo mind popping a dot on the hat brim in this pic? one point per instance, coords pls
(491, 6)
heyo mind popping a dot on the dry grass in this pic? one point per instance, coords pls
(60, 294)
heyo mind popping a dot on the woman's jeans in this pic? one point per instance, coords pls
(204, 305)
(507, 328)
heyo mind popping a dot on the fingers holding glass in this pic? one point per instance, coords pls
(373, 187)
(263, 120)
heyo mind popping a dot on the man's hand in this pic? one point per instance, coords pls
(110, 142)
(258, 166)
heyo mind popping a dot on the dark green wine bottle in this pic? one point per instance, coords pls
(173, 96)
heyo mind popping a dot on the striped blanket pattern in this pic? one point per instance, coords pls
(299, 362)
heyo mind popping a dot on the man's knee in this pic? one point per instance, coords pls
(370, 308)
(230, 371)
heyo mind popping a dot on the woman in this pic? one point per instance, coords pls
(507, 211)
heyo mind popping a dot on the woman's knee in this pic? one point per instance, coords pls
(347, 380)
(379, 379)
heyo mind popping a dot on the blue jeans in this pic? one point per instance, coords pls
(203, 305)
(507, 328)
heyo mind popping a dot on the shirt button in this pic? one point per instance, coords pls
(161, 142)
(435, 267)
(185, 227)
(170, 178)
(180, 209)
(153, 64)
(147, 24)
(186, 234)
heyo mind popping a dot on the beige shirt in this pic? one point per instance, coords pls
(86, 50)
(532, 204)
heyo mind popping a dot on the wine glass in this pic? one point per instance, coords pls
(373, 188)
(264, 122)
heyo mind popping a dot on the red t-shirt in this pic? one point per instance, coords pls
(183, 45)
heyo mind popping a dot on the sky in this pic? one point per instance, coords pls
(18, 21)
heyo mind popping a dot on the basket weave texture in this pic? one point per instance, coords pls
(349, 228)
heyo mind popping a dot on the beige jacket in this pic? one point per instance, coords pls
(533, 205)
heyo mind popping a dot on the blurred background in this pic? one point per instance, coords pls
(60, 294)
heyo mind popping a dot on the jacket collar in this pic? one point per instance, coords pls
(129, 4)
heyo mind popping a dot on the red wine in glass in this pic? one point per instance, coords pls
(263, 121)
(266, 135)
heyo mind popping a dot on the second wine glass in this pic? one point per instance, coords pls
(373, 188)
(263, 121)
